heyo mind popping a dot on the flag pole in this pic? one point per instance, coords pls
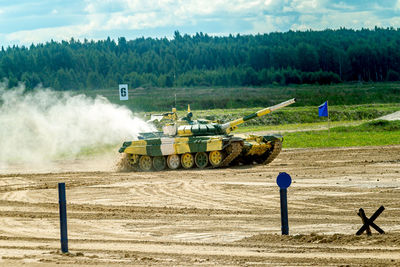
(329, 122)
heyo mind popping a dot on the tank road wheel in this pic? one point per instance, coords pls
(145, 163)
(187, 160)
(159, 163)
(201, 159)
(173, 161)
(216, 158)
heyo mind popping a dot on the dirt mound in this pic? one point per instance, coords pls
(335, 239)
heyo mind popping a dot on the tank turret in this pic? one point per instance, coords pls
(186, 142)
(196, 129)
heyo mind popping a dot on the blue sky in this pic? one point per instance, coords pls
(38, 21)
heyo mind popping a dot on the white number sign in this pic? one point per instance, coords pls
(123, 92)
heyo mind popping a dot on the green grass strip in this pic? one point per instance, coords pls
(374, 133)
(294, 126)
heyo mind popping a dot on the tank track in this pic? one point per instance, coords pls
(235, 150)
(275, 152)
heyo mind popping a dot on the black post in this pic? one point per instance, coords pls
(284, 211)
(63, 217)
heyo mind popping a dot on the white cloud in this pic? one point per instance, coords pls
(158, 13)
(46, 34)
(343, 6)
(135, 22)
(269, 24)
(356, 20)
(306, 6)
(99, 18)
(394, 21)
(181, 7)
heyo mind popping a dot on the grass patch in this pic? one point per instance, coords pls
(295, 126)
(371, 133)
(163, 99)
(376, 126)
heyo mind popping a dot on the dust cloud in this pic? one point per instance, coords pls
(42, 126)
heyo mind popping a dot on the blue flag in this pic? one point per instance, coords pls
(323, 110)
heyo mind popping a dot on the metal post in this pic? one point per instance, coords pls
(329, 122)
(63, 217)
(284, 211)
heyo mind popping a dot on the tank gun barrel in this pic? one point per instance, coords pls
(232, 125)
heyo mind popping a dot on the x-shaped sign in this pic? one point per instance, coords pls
(370, 222)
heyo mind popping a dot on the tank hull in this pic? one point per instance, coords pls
(204, 151)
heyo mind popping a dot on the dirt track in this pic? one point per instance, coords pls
(213, 216)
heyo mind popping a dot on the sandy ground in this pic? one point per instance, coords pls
(225, 216)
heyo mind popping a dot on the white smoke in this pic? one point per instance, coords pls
(44, 125)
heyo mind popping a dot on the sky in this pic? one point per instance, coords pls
(25, 22)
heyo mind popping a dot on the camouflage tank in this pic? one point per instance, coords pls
(187, 143)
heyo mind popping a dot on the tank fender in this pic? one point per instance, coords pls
(124, 146)
(226, 141)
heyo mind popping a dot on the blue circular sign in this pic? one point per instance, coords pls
(283, 180)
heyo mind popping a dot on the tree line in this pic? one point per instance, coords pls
(293, 57)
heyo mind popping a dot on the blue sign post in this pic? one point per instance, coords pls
(63, 217)
(284, 180)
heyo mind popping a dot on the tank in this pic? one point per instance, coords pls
(188, 143)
